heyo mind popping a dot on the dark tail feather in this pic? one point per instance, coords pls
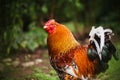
(91, 51)
(109, 50)
(110, 47)
(112, 50)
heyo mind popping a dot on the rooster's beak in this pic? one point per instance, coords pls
(45, 27)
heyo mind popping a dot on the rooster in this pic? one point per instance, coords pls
(73, 61)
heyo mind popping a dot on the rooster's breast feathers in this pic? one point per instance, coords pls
(75, 62)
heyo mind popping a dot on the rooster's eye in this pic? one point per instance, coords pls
(88, 36)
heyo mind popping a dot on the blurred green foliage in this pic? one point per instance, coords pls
(21, 21)
(36, 37)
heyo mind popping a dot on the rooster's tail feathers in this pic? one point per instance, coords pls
(100, 45)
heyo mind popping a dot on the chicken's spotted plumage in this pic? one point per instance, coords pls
(70, 59)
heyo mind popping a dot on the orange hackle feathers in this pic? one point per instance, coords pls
(58, 37)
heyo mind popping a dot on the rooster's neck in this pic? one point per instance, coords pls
(61, 41)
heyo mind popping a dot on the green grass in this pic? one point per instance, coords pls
(40, 75)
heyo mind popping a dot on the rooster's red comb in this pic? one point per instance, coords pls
(50, 21)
